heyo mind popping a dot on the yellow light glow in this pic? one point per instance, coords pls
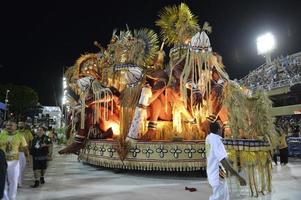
(115, 128)
(177, 120)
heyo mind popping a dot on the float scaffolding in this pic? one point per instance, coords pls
(131, 110)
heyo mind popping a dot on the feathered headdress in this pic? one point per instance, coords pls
(177, 24)
(149, 40)
(89, 65)
(138, 47)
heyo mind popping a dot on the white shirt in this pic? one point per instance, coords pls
(215, 152)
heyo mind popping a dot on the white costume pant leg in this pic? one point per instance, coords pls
(220, 191)
(11, 183)
(140, 114)
(22, 161)
(135, 128)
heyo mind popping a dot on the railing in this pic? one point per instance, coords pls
(294, 146)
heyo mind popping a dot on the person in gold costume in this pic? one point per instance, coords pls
(10, 142)
(23, 155)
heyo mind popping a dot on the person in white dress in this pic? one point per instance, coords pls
(217, 163)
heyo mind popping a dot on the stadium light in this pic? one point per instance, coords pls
(6, 105)
(265, 45)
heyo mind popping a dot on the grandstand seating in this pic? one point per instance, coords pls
(285, 71)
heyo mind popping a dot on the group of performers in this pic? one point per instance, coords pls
(18, 147)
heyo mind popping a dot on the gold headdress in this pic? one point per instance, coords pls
(89, 65)
(138, 47)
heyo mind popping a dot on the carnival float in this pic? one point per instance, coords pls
(131, 106)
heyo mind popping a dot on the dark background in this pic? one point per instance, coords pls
(39, 39)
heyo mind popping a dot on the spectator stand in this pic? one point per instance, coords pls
(283, 71)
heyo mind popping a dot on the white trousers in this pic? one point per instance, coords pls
(22, 161)
(137, 123)
(11, 182)
(220, 191)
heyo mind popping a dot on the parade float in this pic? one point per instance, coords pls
(133, 107)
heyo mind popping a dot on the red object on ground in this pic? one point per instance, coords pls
(191, 189)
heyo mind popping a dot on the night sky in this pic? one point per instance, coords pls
(39, 39)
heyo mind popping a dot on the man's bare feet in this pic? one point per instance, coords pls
(149, 135)
(72, 148)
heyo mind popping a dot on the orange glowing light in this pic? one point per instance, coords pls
(115, 128)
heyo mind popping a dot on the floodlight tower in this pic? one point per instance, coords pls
(6, 112)
(64, 100)
(265, 45)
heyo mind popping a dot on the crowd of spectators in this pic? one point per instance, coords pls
(282, 71)
(291, 125)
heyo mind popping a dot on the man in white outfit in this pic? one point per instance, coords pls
(217, 163)
(10, 143)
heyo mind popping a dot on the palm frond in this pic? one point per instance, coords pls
(177, 24)
(207, 27)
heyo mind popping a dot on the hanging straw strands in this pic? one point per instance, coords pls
(103, 98)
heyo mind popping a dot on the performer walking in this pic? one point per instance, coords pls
(10, 143)
(283, 149)
(23, 155)
(216, 162)
(39, 151)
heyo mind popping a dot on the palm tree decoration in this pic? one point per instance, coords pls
(177, 24)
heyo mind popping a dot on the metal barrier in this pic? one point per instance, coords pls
(294, 146)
